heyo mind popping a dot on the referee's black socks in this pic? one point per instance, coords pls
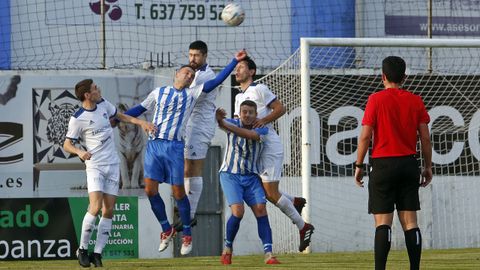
(413, 240)
(383, 240)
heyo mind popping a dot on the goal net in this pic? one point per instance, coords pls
(339, 76)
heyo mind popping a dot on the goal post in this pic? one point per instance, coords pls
(307, 43)
(325, 86)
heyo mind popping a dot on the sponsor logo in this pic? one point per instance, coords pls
(10, 134)
(111, 7)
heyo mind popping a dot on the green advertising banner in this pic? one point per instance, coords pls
(36, 229)
(49, 228)
(123, 240)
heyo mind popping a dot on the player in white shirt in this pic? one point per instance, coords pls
(200, 129)
(164, 156)
(271, 158)
(91, 124)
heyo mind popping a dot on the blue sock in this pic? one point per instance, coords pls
(158, 208)
(184, 211)
(265, 233)
(233, 224)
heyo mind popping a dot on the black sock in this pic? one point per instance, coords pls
(413, 240)
(382, 246)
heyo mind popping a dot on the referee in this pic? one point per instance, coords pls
(395, 117)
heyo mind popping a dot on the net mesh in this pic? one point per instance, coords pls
(61, 34)
(341, 80)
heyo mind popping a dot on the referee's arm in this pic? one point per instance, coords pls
(426, 145)
(363, 143)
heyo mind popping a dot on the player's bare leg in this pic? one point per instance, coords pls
(287, 207)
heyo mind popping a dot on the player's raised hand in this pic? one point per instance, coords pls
(220, 114)
(240, 55)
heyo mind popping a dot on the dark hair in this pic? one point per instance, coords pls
(199, 45)
(250, 64)
(83, 87)
(249, 103)
(185, 66)
(394, 69)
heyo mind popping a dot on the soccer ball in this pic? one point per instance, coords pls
(233, 14)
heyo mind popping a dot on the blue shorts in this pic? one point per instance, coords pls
(164, 161)
(238, 188)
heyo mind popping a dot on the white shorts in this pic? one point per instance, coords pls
(270, 164)
(104, 178)
(198, 135)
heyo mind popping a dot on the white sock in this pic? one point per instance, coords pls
(290, 197)
(88, 225)
(103, 232)
(288, 209)
(194, 191)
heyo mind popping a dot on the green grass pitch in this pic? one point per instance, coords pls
(450, 259)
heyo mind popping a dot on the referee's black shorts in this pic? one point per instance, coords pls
(394, 183)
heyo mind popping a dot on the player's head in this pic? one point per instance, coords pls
(184, 76)
(248, 112)
(197, 54)
(245, 70)
(87, 89)
(393, 69)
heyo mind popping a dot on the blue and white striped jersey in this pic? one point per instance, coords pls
(171, 109)
(241, 155)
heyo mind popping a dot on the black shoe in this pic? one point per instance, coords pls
(305, 236)
(83, 259)
(96, 259)
(179, 225)
(299, 203)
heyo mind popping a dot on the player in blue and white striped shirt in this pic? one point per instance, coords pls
(172, 106)
(239, 177)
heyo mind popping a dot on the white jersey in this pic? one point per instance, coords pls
(206, 102)
(93, 128)
(171, 109)
(261, 95)
(271, 156)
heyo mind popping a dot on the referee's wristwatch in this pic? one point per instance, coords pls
(361, 166)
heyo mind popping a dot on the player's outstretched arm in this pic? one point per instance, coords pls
(136, 111)
(250, 134)
(69, 146)
(212, 84)
(146, 126)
